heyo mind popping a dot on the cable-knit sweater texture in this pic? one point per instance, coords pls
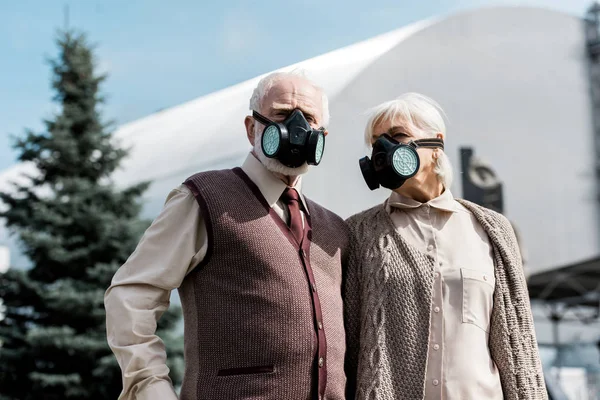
(387, 290)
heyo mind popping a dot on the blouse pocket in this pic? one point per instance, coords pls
(477, 297)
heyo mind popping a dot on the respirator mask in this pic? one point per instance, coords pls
(392, 162)
(292, 142)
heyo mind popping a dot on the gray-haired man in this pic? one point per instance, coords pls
(257, 266)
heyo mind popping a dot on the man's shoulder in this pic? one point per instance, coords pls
(211, 181)
(210, 174)
(323, 212)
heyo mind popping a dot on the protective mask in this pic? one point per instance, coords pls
(293, 142)
(392, 162)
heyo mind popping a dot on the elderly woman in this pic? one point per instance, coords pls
(436, 302)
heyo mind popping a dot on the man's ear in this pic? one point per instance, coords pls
(249, 122)
(440, 135)
(325, 132)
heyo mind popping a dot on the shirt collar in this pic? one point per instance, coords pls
(270, 186)
(444, 202)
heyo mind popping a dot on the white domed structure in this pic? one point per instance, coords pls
(512, 80)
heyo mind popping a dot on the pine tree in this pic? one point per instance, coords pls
(77, 228)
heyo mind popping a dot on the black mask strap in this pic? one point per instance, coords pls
(266, 121)
(262, 119)
(433, 143)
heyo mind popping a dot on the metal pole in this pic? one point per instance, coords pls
(555, 318)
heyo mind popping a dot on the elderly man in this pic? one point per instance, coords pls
(257, 266)
(436, 302)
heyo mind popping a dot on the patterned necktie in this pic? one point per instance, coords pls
(291, 198)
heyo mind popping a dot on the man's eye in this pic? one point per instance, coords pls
(282, 113)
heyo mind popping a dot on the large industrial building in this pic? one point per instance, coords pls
(517, 86)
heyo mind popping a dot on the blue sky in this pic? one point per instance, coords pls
(158, 55)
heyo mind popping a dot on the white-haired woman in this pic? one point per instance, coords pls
(436, 303)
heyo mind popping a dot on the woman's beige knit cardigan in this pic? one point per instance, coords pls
(387, 298)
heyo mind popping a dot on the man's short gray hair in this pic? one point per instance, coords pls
(266, 83)
(420, 114)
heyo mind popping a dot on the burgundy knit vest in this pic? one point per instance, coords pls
(263, 316)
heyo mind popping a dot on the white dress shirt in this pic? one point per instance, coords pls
(459, 364)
